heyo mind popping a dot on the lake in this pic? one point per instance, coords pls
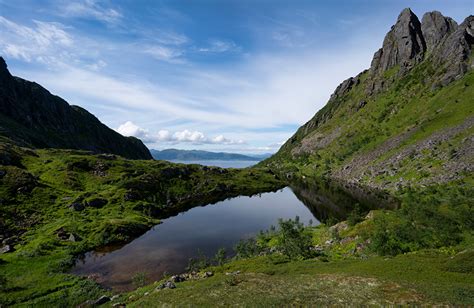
(168, 246)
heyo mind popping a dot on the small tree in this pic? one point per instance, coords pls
(293, 241)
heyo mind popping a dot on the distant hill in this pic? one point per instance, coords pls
(190, 155)
(33, 117)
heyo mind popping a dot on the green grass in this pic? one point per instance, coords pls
(419, 278)
(38, 188)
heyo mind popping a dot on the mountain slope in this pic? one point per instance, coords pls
(174, 154)
(408, 120)
(31, 116)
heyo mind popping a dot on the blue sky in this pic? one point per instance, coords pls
(236, 76)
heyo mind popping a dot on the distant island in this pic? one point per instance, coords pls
(191, 155)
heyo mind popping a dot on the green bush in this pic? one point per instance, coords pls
(425, 220)
(293, 240)
(247, 248)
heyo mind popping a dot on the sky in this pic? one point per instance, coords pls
(233, 76)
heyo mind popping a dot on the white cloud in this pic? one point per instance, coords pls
(91, 9)
(165, 136)
(164, 53)
(46, 42)
(217, 46)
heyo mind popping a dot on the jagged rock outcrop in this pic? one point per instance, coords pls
(31, 116)
(453, 53)
(403, 45)
(435, 27)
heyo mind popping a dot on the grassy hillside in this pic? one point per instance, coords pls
(410, 134)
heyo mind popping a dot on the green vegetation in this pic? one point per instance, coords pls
(57, 204)
(340, 273)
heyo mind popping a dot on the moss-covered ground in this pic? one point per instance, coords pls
(56, 204)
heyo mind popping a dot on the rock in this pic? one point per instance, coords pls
(403, 45)
(114, 297)
(318, 249)
(119, 305)
(361, 105)
(146, 293)
(97, 202)
(208, 274)
(6, 248)
(178, 278)
(435, 27)
(62, 234)
(452, 54)
(233, 273)
(102, 300)
(168, 284)
(76, 206)
(341, 226)
(370, 215)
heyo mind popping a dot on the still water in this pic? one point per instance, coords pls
(168, 246)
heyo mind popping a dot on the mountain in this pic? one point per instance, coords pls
(407, 120)
(174, 154)
(31, 116)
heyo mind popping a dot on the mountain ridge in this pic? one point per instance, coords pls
(418, 90)
(33, 117)
(190, 155)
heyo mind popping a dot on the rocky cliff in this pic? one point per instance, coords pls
(406, 120)
(31, 116)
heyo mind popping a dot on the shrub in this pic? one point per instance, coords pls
(355, 216)
(293, 240)
(139, 279)
(247, 248)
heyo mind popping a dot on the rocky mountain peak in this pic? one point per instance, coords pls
(435, 27)
(403, 45)
(3, 69)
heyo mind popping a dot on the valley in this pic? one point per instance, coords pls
(368, 203)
